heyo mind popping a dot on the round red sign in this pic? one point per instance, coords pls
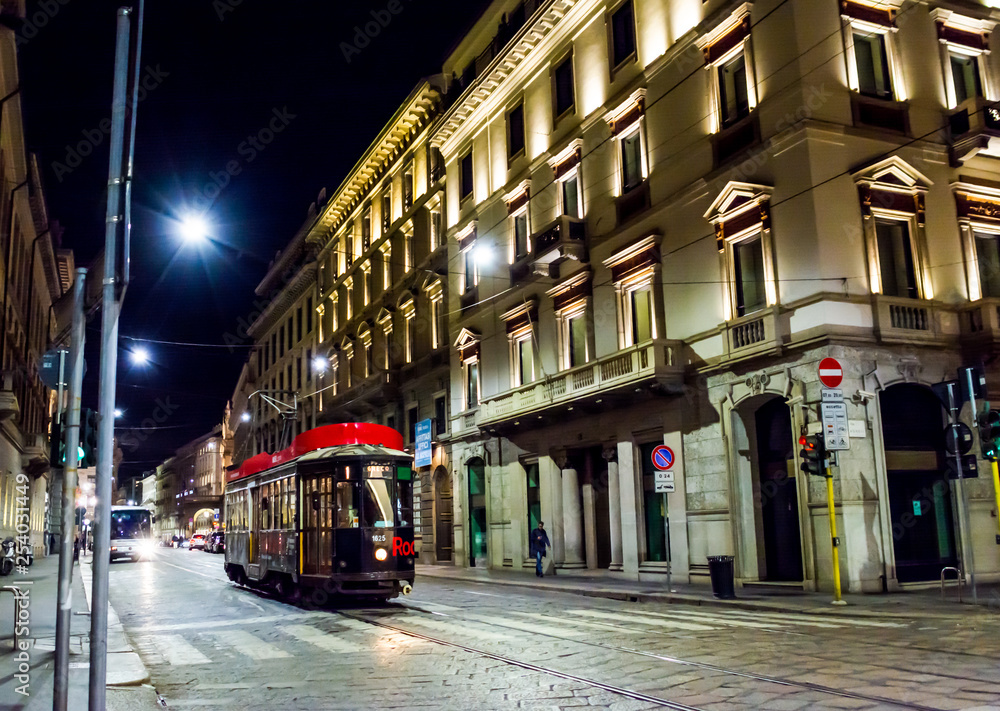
(830, 373)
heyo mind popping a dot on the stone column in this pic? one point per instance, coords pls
(572, 520)
(614, 508)
(590, 525)
(628, 483)
(552, 508)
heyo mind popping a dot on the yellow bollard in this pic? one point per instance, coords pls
(833, 539)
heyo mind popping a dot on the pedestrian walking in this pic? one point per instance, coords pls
(539, 542)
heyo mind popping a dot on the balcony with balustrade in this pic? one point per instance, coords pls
(974, 127)
(656, 365)
(903, 320)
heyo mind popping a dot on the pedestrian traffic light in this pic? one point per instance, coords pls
(813, 455)
(989, 433)
(88, 437)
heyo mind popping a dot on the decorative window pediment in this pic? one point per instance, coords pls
(466, 235)
(628, 112)
(568, 158)
(636, 257)
(521, 316)
(572, 290)
(518, 197)
(467, 344)
(739, 207)
(433, 287)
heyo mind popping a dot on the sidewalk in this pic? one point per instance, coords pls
(599, 584)
(127, 676)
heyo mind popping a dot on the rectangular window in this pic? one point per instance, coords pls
(408, 249)
(641, 302)
(631, 147)
(411, 423)
(734, 102)
(386, 266)
(576, 337)
(289, 332)
(524, 354)
(309, 364)
(408, 338)
(622, 34)
(388, 350)
(348, 504)
(895, 258)
(520, 225)
(988, 255)
(572, 205)
(440, 416)
(369, 359)
(309, 315)
(965, 73)
(748, 265)
(465, 179)
(435, 229)
(298, 324)
(437, 325)
(366, 229)
(469, 259)
(472, 385)
(515, 131)
(387, 207)
(408, 188)
(298, 373)
(563, 88)
(873, 65)
(281, 341)
(368, 285)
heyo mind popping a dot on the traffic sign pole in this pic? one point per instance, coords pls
(837, 600)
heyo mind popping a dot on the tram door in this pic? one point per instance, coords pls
(317, 525)
(255, 529)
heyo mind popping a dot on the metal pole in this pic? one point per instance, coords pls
(65, 593)
(666, 541)
(109, 363)
(965, 497)
(837, 599)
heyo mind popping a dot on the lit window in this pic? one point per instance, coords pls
(572, 204)
(965, 76)
(748, 276)
(386, 266)
(631, 159)
(734, 102)
(575, 348)
(895, 257)
(367, 276)
(435, 229)
(409, 311)
(408, 187)
(386, 207)
(872, 61)
(470, 271)
(349, 297)
(471, 383)
(366, 230)
(988, 258)
(408, 247)
(520, 237)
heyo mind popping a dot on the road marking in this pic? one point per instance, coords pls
(820, 620)
(708, 617)
(188, 570)
(463, 631)
(250, 646)
(178, 651)
(597, 626)
(671, 623)
(321, 639)
(525, 626)
(211, 624)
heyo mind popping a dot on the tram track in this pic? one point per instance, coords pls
(629, 693)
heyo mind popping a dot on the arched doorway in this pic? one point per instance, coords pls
(443, 514)
(477, 512)
(204, 521)
(777, 493)
(923, 530)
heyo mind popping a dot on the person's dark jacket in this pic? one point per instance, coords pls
(539, 540)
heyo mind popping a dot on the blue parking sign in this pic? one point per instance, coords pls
(423, 458)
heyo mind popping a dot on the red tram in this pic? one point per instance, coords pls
(332, 512)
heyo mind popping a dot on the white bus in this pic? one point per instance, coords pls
(131, 532)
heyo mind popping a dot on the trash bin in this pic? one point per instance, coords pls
(720, 568)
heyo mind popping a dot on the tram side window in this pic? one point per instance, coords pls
(404, 496)
(348, 504)
(265, 508)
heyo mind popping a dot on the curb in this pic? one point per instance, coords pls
(700, 601)
(124, 666)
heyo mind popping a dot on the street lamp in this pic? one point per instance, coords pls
(320, 364)
(194, 229)
(118, 413)
(140, 356)
(245, 417)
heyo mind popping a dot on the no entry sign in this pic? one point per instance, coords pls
(830, 373)
(663, 457)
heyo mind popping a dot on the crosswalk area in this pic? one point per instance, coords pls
(279, 638)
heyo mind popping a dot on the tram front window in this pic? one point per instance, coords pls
(378, 503)
(348, 504)
(404, 496)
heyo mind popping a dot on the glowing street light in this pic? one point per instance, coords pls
(194, 229)
(320, 364)
(245, 417)
(140, 356)
(118, 413)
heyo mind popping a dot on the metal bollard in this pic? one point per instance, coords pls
(16, 592)
(958, 577)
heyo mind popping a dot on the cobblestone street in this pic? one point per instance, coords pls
(456, 645)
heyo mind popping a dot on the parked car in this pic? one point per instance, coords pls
(197, 541)
(216, 542)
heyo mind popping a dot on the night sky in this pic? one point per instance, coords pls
(217, 73)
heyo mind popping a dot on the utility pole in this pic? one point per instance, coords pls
(64, 606)
(128, 48)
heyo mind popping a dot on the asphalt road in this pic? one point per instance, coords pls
(210, 644)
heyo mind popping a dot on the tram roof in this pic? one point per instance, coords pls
(341, 440)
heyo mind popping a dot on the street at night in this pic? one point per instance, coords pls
(462, 645)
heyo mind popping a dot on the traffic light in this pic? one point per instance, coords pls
(57, 445)
(88, 437)
(813, 455)
(989, 433)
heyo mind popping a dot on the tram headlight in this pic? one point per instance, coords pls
(381, 554)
